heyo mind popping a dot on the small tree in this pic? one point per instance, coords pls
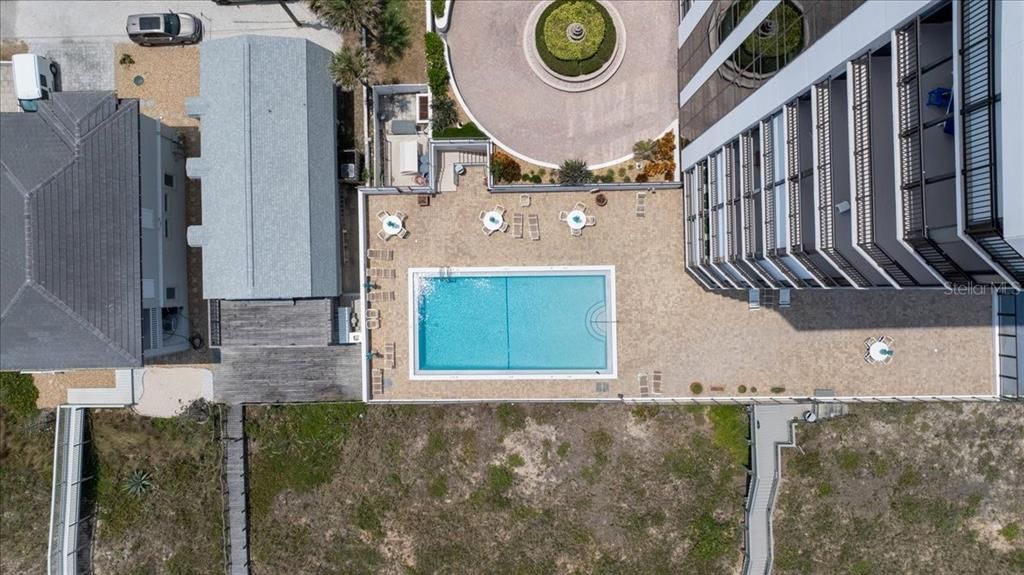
(351, 67)
(391, 37)
(574, 172)
(643, 150)
(504, 168)
(348, 15)
(442, 114)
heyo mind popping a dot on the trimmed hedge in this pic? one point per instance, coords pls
(576, 67)
(437, 70)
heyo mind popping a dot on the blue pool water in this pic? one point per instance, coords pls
(512, 323)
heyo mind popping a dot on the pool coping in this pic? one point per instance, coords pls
(610, 313)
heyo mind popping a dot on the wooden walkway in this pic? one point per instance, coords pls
(234, 469)
(287, 374)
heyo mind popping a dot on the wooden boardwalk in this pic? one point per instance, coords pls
(287, 374)
(276, 322)
(234, 469)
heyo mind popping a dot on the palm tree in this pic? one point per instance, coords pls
(347, 15)
(390, 33)
(643, 150)
(351, 67)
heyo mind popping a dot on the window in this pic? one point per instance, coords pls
(165, 203)
(42, 81)
(169, 180)
(166, 234)
(171, 293)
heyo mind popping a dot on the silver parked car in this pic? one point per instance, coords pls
(161, 29)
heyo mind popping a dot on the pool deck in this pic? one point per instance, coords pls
(667, 322)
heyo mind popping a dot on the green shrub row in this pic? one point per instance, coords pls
(437, 70)
(576, 67)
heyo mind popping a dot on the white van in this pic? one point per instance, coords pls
(35, 78)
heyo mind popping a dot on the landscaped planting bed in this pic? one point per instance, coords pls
(905, 489)
(506, 489)
(569, 57)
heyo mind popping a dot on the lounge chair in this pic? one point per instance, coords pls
(524, 200)
(404, 233)
(641, 204)
(656, 383)
(377, 379)
(382, 214)
(641, 380)
(372, 313)
(401, 216)
(500, 209)
(483, 215)
(534, 225)
(372, 324)
(888, 341)
(504, 227)
(868, 358)
(591, 220)
(580, 206)
(382, 236)
(574, 232)
(487, 230)
(517, 226)
(869, 342)
(563, 216)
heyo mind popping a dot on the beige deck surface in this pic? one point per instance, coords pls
(666, 322)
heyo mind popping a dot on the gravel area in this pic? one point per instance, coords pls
(53, 387)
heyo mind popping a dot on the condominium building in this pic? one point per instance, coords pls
(852, 144)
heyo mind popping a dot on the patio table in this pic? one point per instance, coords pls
(880, 351)
(576, 219)
(391, 225)
(493, 220)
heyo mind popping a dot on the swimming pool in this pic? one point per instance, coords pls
(512, 323)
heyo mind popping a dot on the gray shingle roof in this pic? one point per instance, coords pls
(270, 200)
(70, 285)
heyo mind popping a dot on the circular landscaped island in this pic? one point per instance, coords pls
(575, 37)
(574, 45)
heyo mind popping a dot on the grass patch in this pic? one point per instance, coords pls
(18, 395)
(298, 448)
(510, 417)
(1010, 531)
(563, 449)
(467, 131)
(730, 431)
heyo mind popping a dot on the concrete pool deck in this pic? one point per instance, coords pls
(666, 322)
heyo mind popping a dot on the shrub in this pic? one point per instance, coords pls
(437, 69)
(742, 389)
(443, 114)
(753, 389)
(18, 395)
(575, 67)
(504, 168)
(665, 147)
(622, 172)
(778, 389)
(696, 388)
(627, 179)
(126, 60)
(574, 172)
(641, 178)
(437, 7)
(643, 150)
(536, 179)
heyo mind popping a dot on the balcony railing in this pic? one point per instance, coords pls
(731, 199)
(826, 211)
(863, 191)
(716, 251)
(978, 131)
(702, 212)
(771, 240)
(913, 199)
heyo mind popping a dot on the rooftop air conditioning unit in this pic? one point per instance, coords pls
(422, 108)
(347, 172)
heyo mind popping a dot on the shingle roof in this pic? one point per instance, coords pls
(270, 200)
(70, 285)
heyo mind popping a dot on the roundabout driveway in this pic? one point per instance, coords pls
(545, 125)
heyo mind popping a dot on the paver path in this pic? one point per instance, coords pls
(548, 125)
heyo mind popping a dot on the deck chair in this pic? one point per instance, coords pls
(641, 380)
(524, 200)
(868, 358)
(382, 214)
(483, 215)
(517, 226)
(372, 313)
(576, 233)
(869, 342)
(382, 236)
(504, 227)
(580, 206)
(888, 341)
(389, 355)
(534, 224)
(641, 204)
(500, 209)
(591, 220)
(404, 233)
(372, 324)
(487, 230)
(377, 379)
(656, 383)
(401, 215)
(563, 216)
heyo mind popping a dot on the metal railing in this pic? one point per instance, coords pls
(911, 134)
(62, 555)
(731, 199)
(702, 211)
(978, 132)
(716, 206)
(826, 212)
(863, 180)
(771, 239)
